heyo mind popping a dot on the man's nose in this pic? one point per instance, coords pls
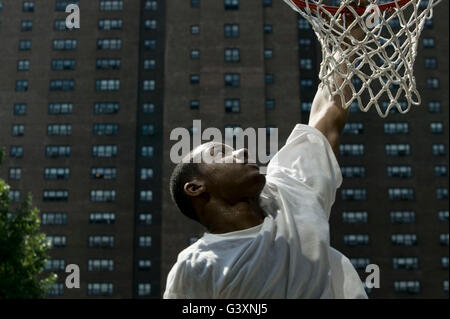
(241, 155)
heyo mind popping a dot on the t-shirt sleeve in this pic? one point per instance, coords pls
(308, 161)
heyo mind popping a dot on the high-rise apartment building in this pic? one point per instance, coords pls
(87, 114)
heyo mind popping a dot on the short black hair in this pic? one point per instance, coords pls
(182, 174)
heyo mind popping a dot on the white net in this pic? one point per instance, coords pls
(378, 64)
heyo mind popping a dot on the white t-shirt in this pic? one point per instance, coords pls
(289, 254)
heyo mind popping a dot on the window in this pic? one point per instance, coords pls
(62, 4)
(194, 79)
(269, 78)
(438, 149)
(148, 108)
(232, 80)
(108, 64)
(432, 83)
(232, 105)
(353, 194)
(150, 44)
(106, 108)
(63, 64)
(100, 241)
(62, 85)
(434, 107)
(105, 129)
(436, 128)
(306, 64)
(107, 85)
(401, 193)
(306, 83)
(148, 85)
(409, 287)
(64, 44)
(59, 130)
(16, 151)
(360, 263)
(195, 54)
(443, 215)
(147, 129)
(354, 128)
(407, 263)
(402, 217)
(25, 45)
(195, 29)
(55, 151)
(57, 241)
(55, 265)
(194, 104)
(444, 262)
(351, 149)
(111, 5)
(303, 24)
(231, 30)
(445, 286)
(151, 5)
(270, 104)
(28, 6)
(145, 195)
(443, 238)
(100, 289)
(147, 151)
(20, 109)
(232, 55)
(195, 3)
(18, 130)
(267, 3)
(100, 265)
(399, 171)
(144, 289)
(109, 44)
(431, 63)
(306, 106)
(60, 108)
(59, 218)
(145, 241)
(398, 149)
(150, 24)
(26, 25)
(305, 43)
(104, 150)
(356, 240)
(14, 195)
(355, 217)
(442, 193)
(145, 218)
(57, 195)
(404, 239)
(102, 218)
(149, 64)
(56, 289)
(268, 54)
(353, 171)
(396, 128)
(54, 173)
(144, 264)
(107, 24)
(428, 43)
(268, 28)
(60, 25)
(103, 173)
(15, 173)
(231, 4)
(21, 86)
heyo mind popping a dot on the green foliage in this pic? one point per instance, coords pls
(23, 250)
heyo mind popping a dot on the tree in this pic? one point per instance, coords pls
(23, 249)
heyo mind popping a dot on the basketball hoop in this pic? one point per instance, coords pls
(379, 66)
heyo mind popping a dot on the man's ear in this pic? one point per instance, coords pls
(194, 188)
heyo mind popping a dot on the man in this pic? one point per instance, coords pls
(267, 236)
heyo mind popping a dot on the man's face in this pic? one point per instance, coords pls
(228, 173)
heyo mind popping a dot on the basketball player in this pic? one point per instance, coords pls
(266, 236)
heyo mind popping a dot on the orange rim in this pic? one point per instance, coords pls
(359, 10)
